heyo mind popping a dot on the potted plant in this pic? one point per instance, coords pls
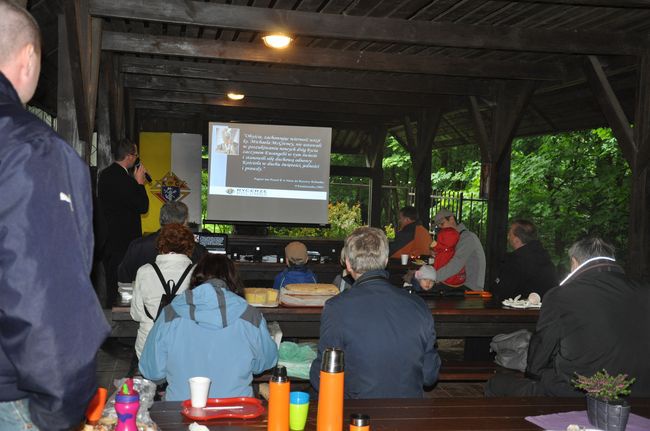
(605, 408)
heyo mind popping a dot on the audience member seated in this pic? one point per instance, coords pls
(344, 280)
(412, 238)
(143, 250)
(526, 269)
(444, 249)
(387, 335)
(296, 258)
(157, 283)
(468, 253)
(596, 319)
(209, 331)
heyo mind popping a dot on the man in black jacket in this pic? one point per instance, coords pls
(143, 250)
(51, 324)
(123, 199)
(596, 319)
(526, 269)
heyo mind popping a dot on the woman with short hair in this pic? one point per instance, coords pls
(169, 275)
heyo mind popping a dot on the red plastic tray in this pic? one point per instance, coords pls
(240, 408)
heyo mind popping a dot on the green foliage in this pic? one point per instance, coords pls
(603, 386)
(571, 185)
(343, 219)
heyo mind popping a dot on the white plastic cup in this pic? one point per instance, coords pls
(199, 388)
(405, 259)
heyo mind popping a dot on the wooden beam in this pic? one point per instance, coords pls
(350, 171)
(611, 107)
(289, 92)
(104, 154)
(259, 115)
(361, 80)
(389, 30)
(267, 103)
(322, 57)
(622, 4)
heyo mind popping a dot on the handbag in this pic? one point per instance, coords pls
(511, 349)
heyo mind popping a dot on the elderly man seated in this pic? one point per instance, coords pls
(596, 319)
(387, 335)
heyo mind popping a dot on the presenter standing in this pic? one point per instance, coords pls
(122, 199)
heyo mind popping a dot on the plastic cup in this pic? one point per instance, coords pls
(298, 410)
(405, 259)
(199, 388)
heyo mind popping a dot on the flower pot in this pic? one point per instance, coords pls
(608, 416)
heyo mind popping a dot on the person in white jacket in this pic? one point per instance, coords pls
(169, 275)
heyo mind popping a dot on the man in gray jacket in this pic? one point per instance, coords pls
(469, 253)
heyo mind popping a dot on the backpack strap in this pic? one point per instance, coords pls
(170, 287)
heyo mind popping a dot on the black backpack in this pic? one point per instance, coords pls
(171, 288)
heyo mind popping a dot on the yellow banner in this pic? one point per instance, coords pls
(156, 155)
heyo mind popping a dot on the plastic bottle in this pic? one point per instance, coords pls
(359, 422)
(330, 398)
(279, 388)
(127, 403)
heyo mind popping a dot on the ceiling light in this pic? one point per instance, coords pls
(235, 96)
(277, 40)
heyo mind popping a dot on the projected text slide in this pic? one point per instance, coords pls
(269, 161)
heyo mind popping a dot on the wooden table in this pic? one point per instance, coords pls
(454, 318)
(453, 414)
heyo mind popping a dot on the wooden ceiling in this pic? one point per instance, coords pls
(359, 64)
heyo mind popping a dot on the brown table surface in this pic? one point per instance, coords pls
(454, 318)
(453, 414)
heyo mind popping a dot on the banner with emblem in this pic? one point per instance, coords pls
(174, 163)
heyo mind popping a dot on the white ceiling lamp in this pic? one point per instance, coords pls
(277, 40)
(235, 96)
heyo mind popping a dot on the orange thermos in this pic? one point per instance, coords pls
(330, 397)
(279, 385)
(359, 422)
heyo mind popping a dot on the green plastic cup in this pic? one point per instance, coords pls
(298, 410)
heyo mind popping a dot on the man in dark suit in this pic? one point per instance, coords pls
(596, 319)
(528, 268)
(122, 199)
(143, 250)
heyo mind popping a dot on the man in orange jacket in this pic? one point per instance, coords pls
(412, 238)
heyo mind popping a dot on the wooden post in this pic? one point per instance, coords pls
(375, 159)
(639, 229)
(511, 99)
(104, 154)
(66, 110)
(635, 146)
(428, 123)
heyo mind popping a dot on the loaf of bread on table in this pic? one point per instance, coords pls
(312, 289)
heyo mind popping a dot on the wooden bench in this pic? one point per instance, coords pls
(450, 371)
(466, 371)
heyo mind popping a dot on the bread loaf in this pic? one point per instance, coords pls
(312, 288)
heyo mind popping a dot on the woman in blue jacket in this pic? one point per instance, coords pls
(209, 331)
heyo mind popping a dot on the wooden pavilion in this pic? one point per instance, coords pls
(432, 73)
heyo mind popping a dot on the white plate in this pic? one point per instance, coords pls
(519, 303)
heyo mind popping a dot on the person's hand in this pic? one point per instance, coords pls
(140, 174)
(433, 244)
